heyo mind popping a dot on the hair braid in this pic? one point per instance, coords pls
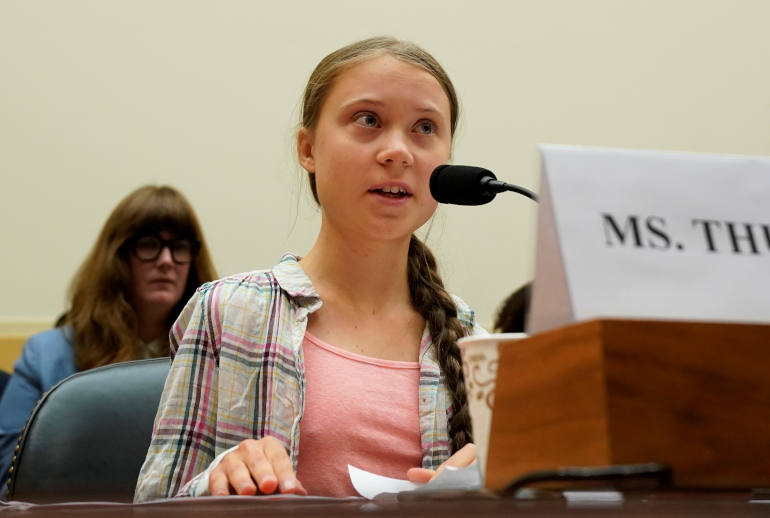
(436, 306)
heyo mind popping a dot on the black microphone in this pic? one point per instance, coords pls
(469, 185)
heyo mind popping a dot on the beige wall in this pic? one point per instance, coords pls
(98, 97)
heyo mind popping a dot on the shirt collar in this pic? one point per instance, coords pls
(294, 281)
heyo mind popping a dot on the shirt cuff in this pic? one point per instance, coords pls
(199, 486)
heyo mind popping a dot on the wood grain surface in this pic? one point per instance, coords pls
(695, 396)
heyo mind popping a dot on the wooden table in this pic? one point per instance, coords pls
(657, 504)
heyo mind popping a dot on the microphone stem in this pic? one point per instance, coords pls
(521, 190)
(495, 186)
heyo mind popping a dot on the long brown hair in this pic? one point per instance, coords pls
(103, 322)
(429, 297)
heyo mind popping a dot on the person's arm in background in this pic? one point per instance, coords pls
(46, 358)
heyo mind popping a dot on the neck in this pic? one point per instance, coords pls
(150, 325)
(367, 275)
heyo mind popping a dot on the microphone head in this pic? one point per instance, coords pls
(461, 185)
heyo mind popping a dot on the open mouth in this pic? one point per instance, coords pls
(391, 192)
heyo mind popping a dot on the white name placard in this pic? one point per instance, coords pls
(651, 235)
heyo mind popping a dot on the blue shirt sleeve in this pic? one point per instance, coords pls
(46, 358)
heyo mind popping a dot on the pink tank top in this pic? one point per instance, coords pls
(358, 410)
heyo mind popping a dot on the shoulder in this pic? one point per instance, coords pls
(241, 303)
(467, 316)
(244, 305)
(256, 280)
(238, 288)
(53, 343)
(286, 279)
(47, 356)
(465, 313)
(218, 302)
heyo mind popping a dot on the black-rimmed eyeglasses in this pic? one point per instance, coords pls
(148, 248)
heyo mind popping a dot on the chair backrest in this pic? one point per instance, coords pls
(88, 436)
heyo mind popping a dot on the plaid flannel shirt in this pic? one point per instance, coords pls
(238, 373)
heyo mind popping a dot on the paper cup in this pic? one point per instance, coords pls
(479, 355)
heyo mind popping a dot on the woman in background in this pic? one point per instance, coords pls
(146, 263)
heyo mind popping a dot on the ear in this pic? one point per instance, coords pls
(305, 150)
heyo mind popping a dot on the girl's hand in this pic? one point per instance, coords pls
(255, 466)
(463, 457)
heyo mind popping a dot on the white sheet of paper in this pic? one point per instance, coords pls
(370, 485)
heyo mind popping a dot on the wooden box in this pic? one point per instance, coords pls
(694, 396)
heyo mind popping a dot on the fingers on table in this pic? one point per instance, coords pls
(256, 466)
(420, 475)
(463, 457)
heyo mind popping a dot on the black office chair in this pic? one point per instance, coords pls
(88, 436)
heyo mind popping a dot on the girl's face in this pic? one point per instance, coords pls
(383, 128)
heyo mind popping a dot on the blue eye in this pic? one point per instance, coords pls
(367, 119)
(426, 127)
